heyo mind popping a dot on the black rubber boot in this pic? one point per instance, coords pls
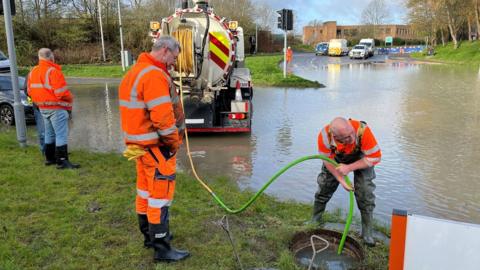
(62, 158)
(143, 225)
(318, 209)
(367, 229)
(164, 252)
(50, 154)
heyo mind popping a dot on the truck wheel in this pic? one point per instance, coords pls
(6, 115)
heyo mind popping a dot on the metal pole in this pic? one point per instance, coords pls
(101, 29)
(121, 36)
(285, 55)
(17, 104)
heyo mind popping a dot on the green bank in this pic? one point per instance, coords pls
(264, 69)
(85, 219)
(468, 53)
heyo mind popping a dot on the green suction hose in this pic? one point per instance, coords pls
(273, 178)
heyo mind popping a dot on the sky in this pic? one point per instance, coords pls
(345, 12)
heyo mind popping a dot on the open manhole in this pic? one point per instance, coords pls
(324, 250)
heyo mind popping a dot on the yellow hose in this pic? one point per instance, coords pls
(185, 58)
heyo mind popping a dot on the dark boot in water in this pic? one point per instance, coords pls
(62, 158)
(367, 229)
(164, 252)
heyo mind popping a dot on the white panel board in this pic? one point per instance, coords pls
(441, 244)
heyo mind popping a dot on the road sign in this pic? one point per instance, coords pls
(388, 39)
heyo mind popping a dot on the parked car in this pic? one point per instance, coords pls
(4, 63)
(321, 48)
(6, 100)
(359, 51)
(370, 44)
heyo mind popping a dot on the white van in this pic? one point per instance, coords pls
(337, 47)
(369, 43)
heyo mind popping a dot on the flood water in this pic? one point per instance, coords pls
(426, 119)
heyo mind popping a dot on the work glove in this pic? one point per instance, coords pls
(133, 151)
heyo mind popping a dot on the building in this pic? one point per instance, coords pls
(329, 30)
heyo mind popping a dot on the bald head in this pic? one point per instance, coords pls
(342, 130)
(46, 54)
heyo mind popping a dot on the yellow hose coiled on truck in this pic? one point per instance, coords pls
(185, 38)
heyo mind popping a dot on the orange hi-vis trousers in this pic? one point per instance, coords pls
(155, 184)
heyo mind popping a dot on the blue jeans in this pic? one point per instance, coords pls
(40, 128)
(56, 126)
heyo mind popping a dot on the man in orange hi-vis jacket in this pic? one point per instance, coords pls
(49, 91)
(351, 144)
(289, 55)
(153, 122)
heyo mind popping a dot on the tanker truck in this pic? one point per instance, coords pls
(216, 86)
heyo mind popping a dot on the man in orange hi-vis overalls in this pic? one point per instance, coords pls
(351, 144)
(153, 123)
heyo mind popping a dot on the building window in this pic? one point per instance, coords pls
(321, 31)
(388, 31)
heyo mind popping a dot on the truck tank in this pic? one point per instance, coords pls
(217, 88)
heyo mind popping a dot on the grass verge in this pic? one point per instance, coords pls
(265, 72)
(467, 53)
(85, 219)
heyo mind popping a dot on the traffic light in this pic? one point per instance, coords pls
(285, 20)
(12, 7)
(280, 20)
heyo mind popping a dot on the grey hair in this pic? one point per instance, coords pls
(166, 42)
(45, 53)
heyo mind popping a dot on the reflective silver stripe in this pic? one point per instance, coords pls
(168, 131)
(37, 85)
(158, 203)
(371, 150)
(326, 143)
(47, 80)
(143, 194)
(141, 137)
(53, 103)
(158, 101)
(61, 90)
(133, 92)
(132, 104)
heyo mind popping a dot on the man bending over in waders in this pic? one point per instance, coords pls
(153, 124)
(351, 144)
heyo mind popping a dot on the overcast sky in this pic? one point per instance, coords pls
(345, 12)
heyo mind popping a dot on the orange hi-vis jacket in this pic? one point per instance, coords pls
(364, 142)
(150, 108)
(289, 55)
(47, 87)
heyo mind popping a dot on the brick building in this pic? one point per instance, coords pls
(329, 30)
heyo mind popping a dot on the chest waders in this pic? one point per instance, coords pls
(364, 186)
